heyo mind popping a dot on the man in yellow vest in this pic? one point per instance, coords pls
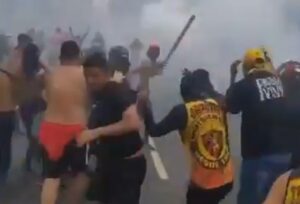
(286, 189)
(202, 124)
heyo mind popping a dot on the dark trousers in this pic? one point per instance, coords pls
(28, 111)
(118, 182)
(7, 124)
(257, 177)
(197, 195)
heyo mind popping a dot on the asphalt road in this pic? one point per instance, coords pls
(24, 189)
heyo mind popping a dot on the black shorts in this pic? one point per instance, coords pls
(196, 195)
(118, 182)
(74, 160)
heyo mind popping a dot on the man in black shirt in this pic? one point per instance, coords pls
(265, 148)
(114, 124)
(289, 73)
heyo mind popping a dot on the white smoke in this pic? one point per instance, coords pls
(223, 30)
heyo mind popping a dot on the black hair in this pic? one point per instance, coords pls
(97, 60)
(118, 59)
(69, 50)
(30, 63)
(196, 85)
(24, 40)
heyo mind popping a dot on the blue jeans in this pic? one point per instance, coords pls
(258, 175)
(7, 121)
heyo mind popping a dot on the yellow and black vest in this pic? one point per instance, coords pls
(292, 195)
(206, 141)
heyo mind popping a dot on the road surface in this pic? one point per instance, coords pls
(165, 183)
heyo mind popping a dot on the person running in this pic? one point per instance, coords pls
(114, 127)
(286, 189)
(202, 124)
(65, 117)
(265, 146)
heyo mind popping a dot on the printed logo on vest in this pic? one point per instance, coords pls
(293, 192)
(209, 141)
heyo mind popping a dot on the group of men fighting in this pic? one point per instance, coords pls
(89, 108)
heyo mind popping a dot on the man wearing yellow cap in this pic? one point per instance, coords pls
(265, 150)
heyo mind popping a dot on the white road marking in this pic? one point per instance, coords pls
(159, 166)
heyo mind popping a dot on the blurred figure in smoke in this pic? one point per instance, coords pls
(264, 144)
(31, 33)
(148, 69)
(56, 40)
(40, 39)
(136, 49)
(289, 73)
(97, 45)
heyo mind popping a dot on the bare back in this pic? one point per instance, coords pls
(66, 96)
(7, 102)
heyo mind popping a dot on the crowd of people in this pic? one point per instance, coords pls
(88, 107)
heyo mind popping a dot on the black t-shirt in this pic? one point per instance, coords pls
(258, 96)
(108, 107)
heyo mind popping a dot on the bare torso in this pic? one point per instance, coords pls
(147, 71)
(66, 95)
(7, 102)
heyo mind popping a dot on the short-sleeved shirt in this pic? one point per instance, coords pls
(257, 97)
(108, 108)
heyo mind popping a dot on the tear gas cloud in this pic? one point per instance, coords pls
(221, 33)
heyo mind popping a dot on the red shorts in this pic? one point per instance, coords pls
(55, 137)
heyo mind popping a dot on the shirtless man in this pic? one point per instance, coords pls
(65, 117)
(148, 69)
(7, 123)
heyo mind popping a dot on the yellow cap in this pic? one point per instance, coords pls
(254, 56)
(254, 59)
